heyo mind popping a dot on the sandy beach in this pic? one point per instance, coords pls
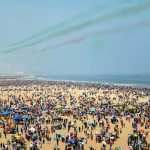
(97, 116)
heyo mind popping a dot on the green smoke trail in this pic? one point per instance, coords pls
(121, 13)
(99, 33)
(102, 19)
(71, 20)
(76, 41)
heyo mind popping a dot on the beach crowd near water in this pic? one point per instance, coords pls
(54, 115)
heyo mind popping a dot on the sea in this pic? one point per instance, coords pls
(122, 80)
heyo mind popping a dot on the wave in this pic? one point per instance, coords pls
(132, 81)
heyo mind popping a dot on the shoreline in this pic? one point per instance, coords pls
(24, 79)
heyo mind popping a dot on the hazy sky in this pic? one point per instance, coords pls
(75, 36)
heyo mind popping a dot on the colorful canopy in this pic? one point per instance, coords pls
(17, 118)
(6, 113)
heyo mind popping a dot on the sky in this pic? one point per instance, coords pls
(63, 37)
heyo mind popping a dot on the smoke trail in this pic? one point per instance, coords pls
(73, 41)
(86, 24)
(99, 33)
(78, 40)
(50, 30)
(102, 19)
(63, 24)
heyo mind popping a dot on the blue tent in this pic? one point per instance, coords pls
(17, 118)
(6, 113)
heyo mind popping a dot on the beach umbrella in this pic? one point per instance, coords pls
(32, 129)
(92, 109)
(34, 135)
(115, 104)
(112, 137)
(120, 107)
(72, 123)
(29, 113)
(131, 107)
(135, 135)
(36, 141)
(83, 143)
(5, 113)
(17, 136)
(59, 107)
(18, 111)
(104, 143)
(140, 130)
(144, 135)
(17, 118)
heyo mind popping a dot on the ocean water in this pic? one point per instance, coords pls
(134, 80)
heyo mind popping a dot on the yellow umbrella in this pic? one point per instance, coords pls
(120, 107)
(115, 104)
(17, 136)
(135, 135)
(131, 108)
(59, 107)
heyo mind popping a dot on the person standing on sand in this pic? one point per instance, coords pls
(40, 143)
(57, 140)
(5, 134)
(31, 146)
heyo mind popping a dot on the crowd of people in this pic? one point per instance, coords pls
(73, 116)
